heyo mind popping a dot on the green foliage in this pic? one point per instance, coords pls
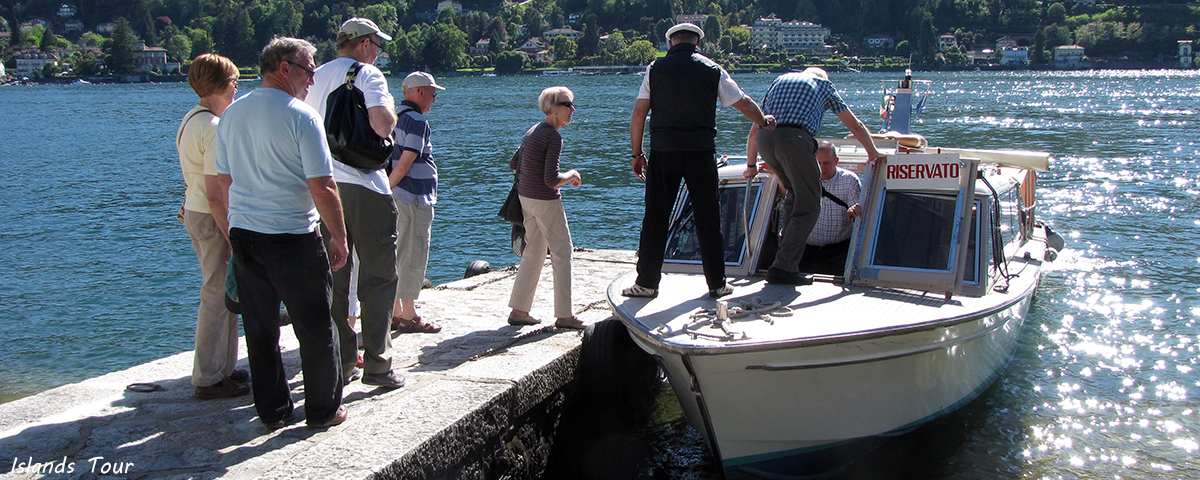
(509, 62)
(86, 65)
(179, 47)
(1056, 13)
(565, 48)
(49, 43)
(120, 59)
(712, 29)
(641, 52)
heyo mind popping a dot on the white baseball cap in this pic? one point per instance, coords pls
(685, 27)
(357, 27)
(419, 79)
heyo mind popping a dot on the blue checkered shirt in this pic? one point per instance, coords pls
(801, 99)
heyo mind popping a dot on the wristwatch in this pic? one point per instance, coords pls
(639, 155)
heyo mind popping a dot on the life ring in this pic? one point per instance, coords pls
(907, 140)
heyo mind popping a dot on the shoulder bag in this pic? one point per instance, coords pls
(352, 141)
(511, 210)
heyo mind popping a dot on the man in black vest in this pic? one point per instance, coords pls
(682, 90)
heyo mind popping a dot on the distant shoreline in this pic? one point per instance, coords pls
(147, 78)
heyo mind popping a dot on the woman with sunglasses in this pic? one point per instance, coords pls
(214, 79)
(538, 184)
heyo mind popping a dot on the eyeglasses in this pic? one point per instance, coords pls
(567, 104)
(380, 45)
(302, 67)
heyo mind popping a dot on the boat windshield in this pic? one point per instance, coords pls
(915, 231)
(683, 245)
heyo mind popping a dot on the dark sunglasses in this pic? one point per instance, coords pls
(567, 104)
(302, 67)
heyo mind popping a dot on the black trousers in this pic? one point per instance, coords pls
(293, 269)
(699, 172)
(825, 259)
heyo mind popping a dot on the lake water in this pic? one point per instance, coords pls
(98, 276)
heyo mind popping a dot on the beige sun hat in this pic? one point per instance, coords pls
(357, 27)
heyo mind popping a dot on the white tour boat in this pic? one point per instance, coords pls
(942, 268)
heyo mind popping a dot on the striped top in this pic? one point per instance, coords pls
(539, 176)
(419, 186)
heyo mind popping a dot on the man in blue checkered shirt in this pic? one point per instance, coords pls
(798, 102)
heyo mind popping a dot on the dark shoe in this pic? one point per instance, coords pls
(385, 380)
(240, 376)
(720, 292)
(352, 375)
(416, 325)
(636, 290)
(571, 323)
(226, 388)
(338, 418)
(521, 320)
(780, 277)
(276, 425)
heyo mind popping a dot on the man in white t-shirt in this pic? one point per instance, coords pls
(369, 209)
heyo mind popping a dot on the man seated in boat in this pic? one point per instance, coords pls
(829, 241)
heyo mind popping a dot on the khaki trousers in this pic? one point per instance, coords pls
(413, 225)
(216, 327)
(545, 227)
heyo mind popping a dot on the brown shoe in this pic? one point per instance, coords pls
(416, 325)
(571, 323)
(522, 320)
(338, 419)
(226, 388)
(240, 376)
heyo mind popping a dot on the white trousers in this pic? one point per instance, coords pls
(545, 227)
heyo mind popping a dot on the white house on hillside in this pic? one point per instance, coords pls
(1068, 56)
(570, 33)
(1185, 53)
(946, 42)
(792, 36)
(1014, 56)
(30, 62)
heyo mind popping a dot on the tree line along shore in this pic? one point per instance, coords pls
(93, 39)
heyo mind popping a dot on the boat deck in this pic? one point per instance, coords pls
(823, 312)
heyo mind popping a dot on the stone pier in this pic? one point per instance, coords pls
(482, 401)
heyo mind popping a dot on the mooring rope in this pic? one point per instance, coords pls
(753, 309)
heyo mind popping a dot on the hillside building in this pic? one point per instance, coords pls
(793, 36)
(1186, 56)
(1014, 56)
(30, 64)
(946, 42)
(1068, 56)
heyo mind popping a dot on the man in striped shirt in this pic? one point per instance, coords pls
(798, 102)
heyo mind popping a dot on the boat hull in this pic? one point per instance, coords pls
(761, 409)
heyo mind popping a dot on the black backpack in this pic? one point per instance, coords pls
(352, 141)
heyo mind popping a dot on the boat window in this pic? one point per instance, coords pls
(1010, 214)
(683, 244)
(915, 231)
(971, 268)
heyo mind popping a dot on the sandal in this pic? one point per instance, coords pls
(521, 320)
(569, 323)
(416, 325)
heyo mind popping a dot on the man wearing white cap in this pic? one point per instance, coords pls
(682, 90)
(414, 188)
(369, 210)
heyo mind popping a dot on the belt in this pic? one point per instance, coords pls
(794, 125)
